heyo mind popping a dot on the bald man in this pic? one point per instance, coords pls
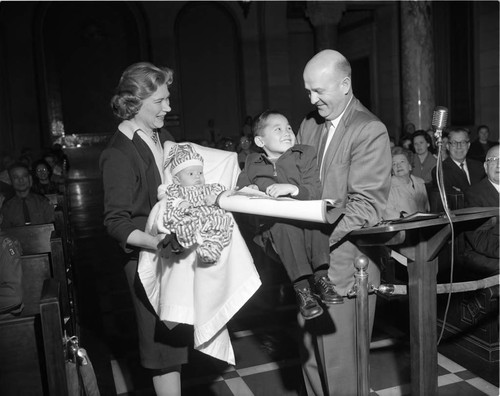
(355, 166)
(481, 248)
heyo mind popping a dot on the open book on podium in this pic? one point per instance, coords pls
(250, 201)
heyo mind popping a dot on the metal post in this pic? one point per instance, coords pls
(360, 291)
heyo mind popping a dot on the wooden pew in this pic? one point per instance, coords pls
(31, 344)
(41, 239)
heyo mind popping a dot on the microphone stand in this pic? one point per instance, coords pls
(442, 193)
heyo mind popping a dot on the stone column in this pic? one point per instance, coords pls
(325, 17)
(417, 63)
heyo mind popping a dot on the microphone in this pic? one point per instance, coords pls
(439, 120)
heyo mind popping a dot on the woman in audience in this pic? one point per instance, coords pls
(407, 194)
(423, 160)
(42, 183)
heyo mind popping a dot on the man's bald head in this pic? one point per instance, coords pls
(327, 79)
(329, 61)
(492, 165)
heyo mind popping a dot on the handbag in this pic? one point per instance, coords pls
(80, 373)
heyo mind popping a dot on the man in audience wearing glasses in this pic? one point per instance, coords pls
(459, 172)
(25, 207)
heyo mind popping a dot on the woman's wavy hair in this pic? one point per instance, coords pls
(138, 82)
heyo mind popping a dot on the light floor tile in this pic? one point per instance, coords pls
(448, 379)
(400, 390)
(448, 364)
(484, 386)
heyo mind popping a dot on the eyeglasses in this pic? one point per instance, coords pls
(459, 144)
(492, 159)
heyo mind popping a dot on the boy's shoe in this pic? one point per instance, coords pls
(325, 290)
(308, 305)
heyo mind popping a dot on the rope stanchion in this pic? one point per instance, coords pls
(360, 291)
(458, 287)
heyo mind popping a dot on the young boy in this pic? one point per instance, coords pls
(190, 210)
(291, 170)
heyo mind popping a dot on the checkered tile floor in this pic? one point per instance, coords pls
(268, 365)
(264, 337)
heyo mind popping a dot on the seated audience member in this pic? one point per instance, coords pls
(423, 161)
(226, 143)
(458, 172)
(481, 248)
(6, 190)
(392, 142)
(58, 173)
(480, 146)
(408, 193)
(25, 207)
(11, 290)
(7, 161)
(244, 149)
(405, 142)
(42, 183)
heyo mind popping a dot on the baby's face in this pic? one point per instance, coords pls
(190, 176)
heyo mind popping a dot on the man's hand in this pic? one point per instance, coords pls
(281, 189)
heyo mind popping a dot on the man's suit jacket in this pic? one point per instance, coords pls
(482, 243)
(131, 179)
(356, 171)
(482, 194)
(454, 178)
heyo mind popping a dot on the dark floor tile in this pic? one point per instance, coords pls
(459, 389)
(287, 381)
(211, 389)
(389, 367)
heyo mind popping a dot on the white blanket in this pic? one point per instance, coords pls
(184, 290)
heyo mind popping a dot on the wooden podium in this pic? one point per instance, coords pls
(420, 241)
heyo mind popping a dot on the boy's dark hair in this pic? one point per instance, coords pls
(260, 120)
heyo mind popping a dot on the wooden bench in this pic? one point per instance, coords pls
(41, 239)
(472, 320)
(31, 344)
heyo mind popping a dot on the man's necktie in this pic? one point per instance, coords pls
(26, 212)
(324, 138)
(465, 173)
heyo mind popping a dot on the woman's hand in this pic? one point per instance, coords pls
(281, 189)
(211, 199)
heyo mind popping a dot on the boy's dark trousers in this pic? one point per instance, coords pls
(302, 247)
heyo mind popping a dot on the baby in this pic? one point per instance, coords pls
(191, 212)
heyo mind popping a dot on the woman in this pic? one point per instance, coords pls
(42, 183)
(424, 161)
(131, 168)
(407, 194)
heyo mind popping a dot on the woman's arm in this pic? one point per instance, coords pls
(143, 240)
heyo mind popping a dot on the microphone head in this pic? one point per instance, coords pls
(439, 118)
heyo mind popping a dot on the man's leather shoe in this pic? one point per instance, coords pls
(308, 305)
(325, 291)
